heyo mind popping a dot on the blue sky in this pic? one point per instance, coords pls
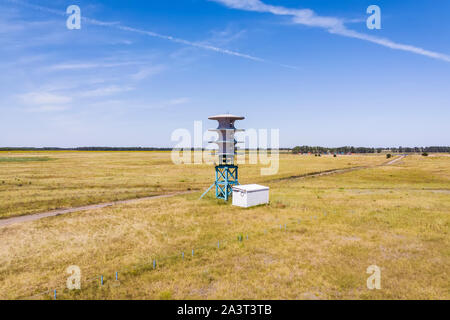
(309, 68)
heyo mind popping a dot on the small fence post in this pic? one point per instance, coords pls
(117, 276)
(154, 264)
(54, 294)
(192, 252)
(101, 280)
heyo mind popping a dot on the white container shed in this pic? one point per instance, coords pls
(250, 195)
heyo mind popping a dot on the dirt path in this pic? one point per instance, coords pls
(338, 171)
(32, 217)
(394, 160)
(38, 216)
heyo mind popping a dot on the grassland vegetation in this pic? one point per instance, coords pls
(81, 178)
(395, 217)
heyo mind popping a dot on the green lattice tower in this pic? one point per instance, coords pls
(226, 171)
(226, 178)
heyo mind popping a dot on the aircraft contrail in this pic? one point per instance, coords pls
(119, 26)
(333, 25)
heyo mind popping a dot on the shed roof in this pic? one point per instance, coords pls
(250, 188)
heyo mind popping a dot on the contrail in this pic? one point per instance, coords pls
(333, 25)
(119, 26)
(189, 43)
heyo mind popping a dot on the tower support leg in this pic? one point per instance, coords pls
(226, 178)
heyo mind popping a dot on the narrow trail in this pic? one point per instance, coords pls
(339, 171)
(395, 160)
(53, 213)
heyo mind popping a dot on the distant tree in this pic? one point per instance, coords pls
(296, 150)
(425, 154)
(388, 156)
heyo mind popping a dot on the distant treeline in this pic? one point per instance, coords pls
(110, 149)
(296, 150)
(87, 149)
(347, 149)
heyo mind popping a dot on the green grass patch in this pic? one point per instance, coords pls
(27, 159)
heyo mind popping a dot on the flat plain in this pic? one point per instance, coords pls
(315, 240)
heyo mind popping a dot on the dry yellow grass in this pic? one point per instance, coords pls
(395, 217)
(71, 179)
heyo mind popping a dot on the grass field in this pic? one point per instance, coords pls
(41, 181)
(395, 217)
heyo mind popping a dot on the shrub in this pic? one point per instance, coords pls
(425, 154)
(388, 156)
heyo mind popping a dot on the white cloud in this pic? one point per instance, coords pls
(143, 32)
(127, 104)
(46, 108)
(226, 36)
(84, 65)
(177, 101)
(6, 27)
(44, 98)
(147, 72)
(121, 42)
(48, 101)
(105, 91)
(155, 105)
(189, 43)
(333, 25)
(306, 17)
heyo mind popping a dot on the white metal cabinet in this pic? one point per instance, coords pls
(250, 195)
